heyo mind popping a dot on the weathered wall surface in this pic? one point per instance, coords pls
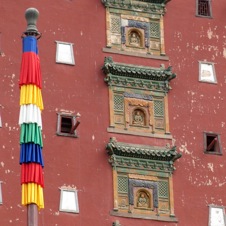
(194, 107)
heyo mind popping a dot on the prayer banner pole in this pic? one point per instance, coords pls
(30, 121)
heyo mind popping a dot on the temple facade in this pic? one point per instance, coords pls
(130, 113)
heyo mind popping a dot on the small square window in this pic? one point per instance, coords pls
(64, 53)
(212, 144)
(216, 216)
(203, 8)
(67, 124)
(69, 200)
(207, 72)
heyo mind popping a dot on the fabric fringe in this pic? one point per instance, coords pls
(30, 72)
(31, 152)
(32, 193)
(30, 114)
(32, 173)
(31, 103)
(31, 94)
(31, 133)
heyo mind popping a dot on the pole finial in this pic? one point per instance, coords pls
(31, 15)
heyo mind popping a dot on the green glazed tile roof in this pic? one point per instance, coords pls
(148, 6)
(140, 72)
(141, 151)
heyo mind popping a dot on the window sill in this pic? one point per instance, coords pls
(155, 135)
(67, 135)
(141, 216)
(212, 153)
(109, 50)
(206, 17)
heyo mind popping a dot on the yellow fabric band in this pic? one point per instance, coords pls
(32, 193)
(31, 94)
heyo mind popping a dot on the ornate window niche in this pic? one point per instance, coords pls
(138, 99)
(142, 180)
(135, 26)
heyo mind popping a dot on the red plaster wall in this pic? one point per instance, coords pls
(194, 107)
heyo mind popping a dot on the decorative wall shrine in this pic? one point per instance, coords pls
(138, 98)
(142, 179)
(135, 26)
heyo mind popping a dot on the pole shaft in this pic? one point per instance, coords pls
(32, 215)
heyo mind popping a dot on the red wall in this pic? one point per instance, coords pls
(194, 107)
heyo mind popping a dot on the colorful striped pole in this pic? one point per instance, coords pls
(30, 121)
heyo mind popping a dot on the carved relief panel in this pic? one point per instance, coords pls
(135, 26)
(137, 112)
(142, 195)
(135, 33)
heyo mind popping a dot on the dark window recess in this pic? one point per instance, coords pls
(204, 8)
(66, 125)
(212, 143)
